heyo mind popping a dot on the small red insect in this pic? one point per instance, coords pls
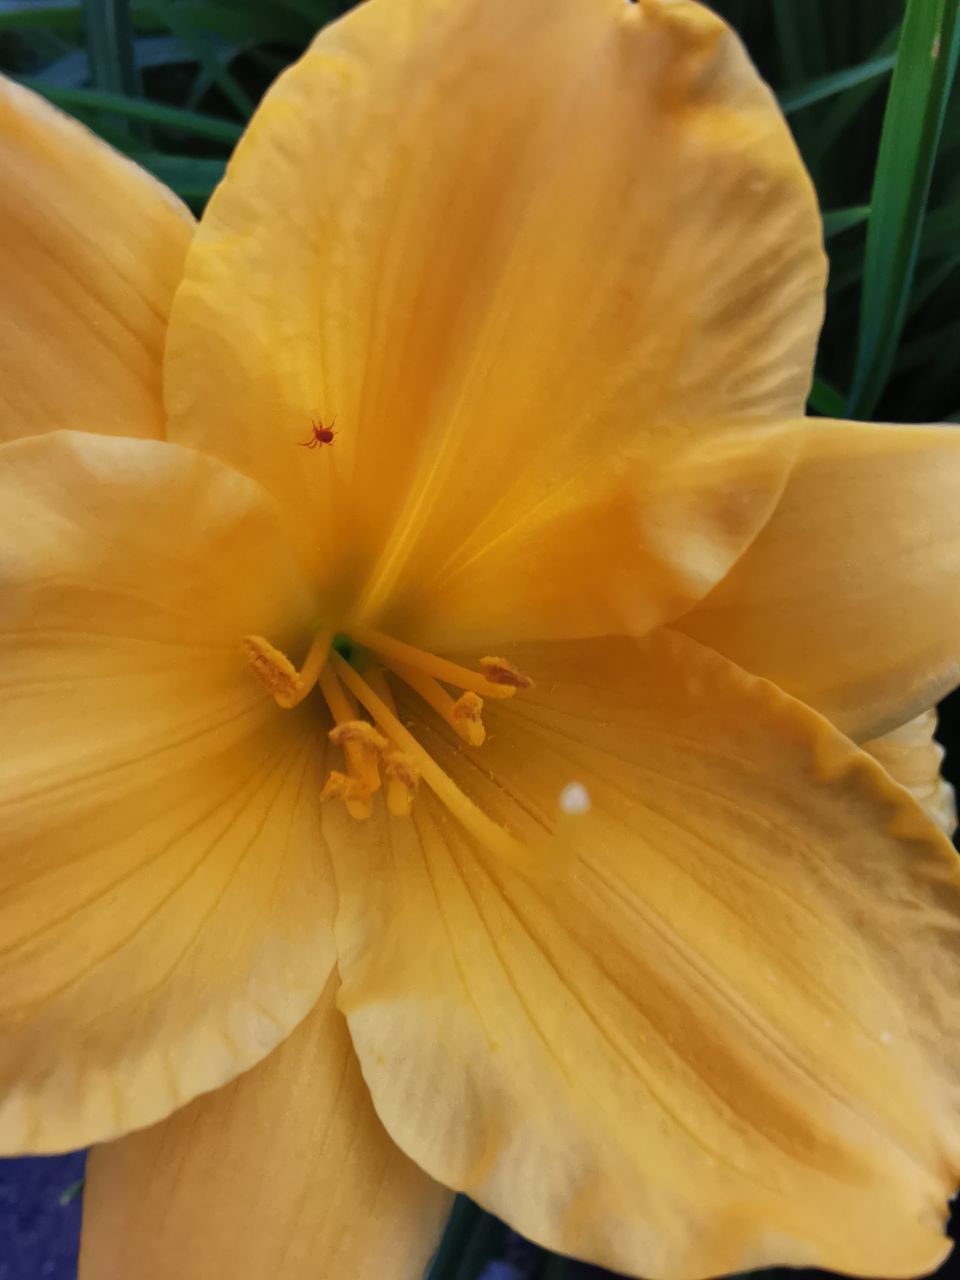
(321, 434)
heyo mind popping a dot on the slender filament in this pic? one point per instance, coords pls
(493, 836)
(398, 651)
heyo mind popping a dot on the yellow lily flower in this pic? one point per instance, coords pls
(663, 971)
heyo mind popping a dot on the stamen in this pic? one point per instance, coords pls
(402, 782)
(463, 714)
(339, 786)
(398, 652)
(501, 672)
(288, 685)
(361, 731)
(376, 678)
(361, 756)
(493, 837)
(271, 666)
(466, 719)
(398, 769)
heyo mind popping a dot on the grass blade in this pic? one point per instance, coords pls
(113, 67)
(471, 1239)
(837, 220)
(109, 35)
(837, 82)
(922, 78)
(193, 178)
(91, 100)
(65, 18)
(207, 55)
(826, 400)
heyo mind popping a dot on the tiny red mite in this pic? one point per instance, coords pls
(321, 435)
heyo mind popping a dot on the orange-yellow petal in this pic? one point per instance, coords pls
(718, 1032)
(848, 599)
(165, 905)
(509, 248)
(91, 251)
(286, 1172)
(912, 756)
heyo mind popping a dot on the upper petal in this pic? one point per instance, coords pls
(286, 1172)
(502, 245)
(165, 906)
(91, 251)
(716, 1033)
(848, 598)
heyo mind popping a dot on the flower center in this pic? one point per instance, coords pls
(355, 673)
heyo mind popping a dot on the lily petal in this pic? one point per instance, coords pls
(502, 245)
(913, 756)
(848, 598)
(285, 1172)
(165, 906)
(91, 251)
(714, 1034)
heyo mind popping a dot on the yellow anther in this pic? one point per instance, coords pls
(341, 786)
(361, 732)
(288, 685)
(465, 717)
(272, 667)
(501, 672)
(361, 753)
(463, 714)
(402, 782)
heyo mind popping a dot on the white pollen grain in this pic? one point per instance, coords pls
(885, 1037)
(575, 799)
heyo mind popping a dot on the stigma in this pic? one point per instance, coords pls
(379, 753)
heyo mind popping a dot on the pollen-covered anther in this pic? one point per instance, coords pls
(402, 782)
(272, 668)
(361, 732)
(354, 792)
(500, 671)
(465, 716)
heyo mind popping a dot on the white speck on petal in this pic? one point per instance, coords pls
(575, 798)
(885, 1037)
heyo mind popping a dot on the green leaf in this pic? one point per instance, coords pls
(847, 105)
(109, 37)
(207, 54)
(826, 400)
(91, 100)
(471, 1239)
(266, 22)
(67, 18)
(799, 33)
(837, 82)
(837, 220)
(926, 65)
(464, 1217)
(70, 1193)
(193, 178)
(113, 67)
